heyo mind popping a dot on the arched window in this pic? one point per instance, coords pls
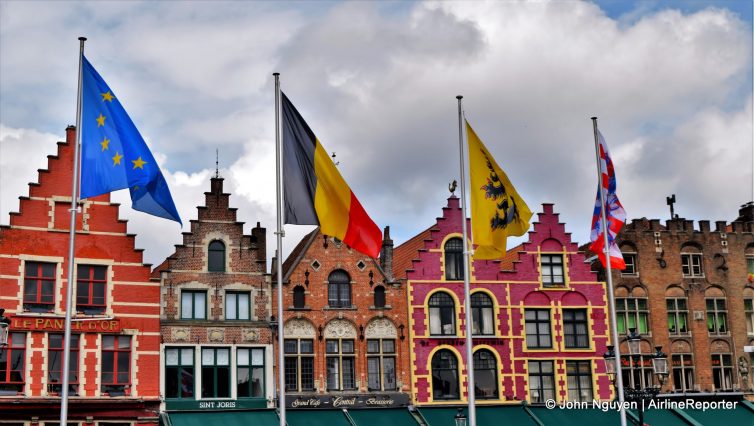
(442, 314)
(216, 256)
(299, 297)
(445, 375)
(482, 314)
(485, 374)
(339, 289)
(379, 297)
(454, 259)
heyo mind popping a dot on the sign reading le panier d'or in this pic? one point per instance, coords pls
(347, 401)
(58, 324)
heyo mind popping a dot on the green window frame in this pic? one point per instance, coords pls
(749, 314)
(632, 312)
(250, 380)
(678, 315)
(235, 310)
(215, 372)
(180, 380)
(193, 304)
(717, 315)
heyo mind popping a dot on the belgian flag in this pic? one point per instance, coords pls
(315, 192)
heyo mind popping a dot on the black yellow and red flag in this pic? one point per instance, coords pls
(316, 193)
(497, 210)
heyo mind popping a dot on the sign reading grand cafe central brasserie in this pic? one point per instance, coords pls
(347, 401)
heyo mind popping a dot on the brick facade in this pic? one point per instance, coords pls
(715, 294)
(35, 244)
(511, 286)
(326, 318)
(230, 311)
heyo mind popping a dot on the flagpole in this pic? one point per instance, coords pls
(610, 295)
(279, 234)
(470, 388)
(71, 244)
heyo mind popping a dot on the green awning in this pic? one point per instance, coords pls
(661, 417)
(739, 416)
(321, 417)
(224, 418)
(575, 417)
(513, 414)
(382, 416)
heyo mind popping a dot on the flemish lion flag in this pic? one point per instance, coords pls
(497, 210)
(316, 193)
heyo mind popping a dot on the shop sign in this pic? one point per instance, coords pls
(347, 401)
(109, 325)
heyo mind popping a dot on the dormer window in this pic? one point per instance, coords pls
(454, 259)
(216, 256)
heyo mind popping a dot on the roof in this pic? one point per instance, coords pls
(297, 253)
(406, 252)
(507, 263)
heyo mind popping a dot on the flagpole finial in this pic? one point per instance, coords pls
(459, 97)
(594, 118)
(276, 74)
(82, 38)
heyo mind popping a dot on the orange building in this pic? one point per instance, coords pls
(114, 372)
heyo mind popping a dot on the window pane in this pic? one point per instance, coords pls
(208, 356)
(186, 305)
(388, 346)
(187, 356)
(257, 357)
(199, 304)
(243, 306)
(230, 306)
(373, 346)
(223, 357)
(243, 357)
(171, 356)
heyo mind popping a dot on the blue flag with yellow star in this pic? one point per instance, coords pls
(114, 155)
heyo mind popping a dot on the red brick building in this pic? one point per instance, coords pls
(688, 288)
(540, 318)
(114, 371)
(345, 318)
(214, 312)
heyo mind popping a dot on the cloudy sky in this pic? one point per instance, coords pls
(670, 81)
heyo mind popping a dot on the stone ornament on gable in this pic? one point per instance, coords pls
(249, 335)
(381, 328)
(340, 329)
(298, 328)
(180, 334)
(216, 334)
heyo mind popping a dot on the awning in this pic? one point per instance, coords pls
(574, 417)
(224, 418)
(661, 418)
(739, 416)
(321, 417)
(513, 414)
(382, 416)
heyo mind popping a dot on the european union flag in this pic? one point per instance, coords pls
(114, 155)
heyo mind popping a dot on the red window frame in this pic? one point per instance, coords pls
(89, 280)
(33, 272)
(73, 376)
(111, 351)
(16, 345)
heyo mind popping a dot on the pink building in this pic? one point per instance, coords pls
(540, 318)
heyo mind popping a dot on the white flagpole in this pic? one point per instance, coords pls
(280, 233)
(467, 251)
(71, 245)
(610, 295)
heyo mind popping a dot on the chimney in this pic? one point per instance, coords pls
(216, 185)
(386, 254)
(746, 212)
(70, 134)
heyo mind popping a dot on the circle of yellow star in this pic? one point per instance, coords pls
(101, 120)
(105, 144)
(139, 163)
(116, 159)
(107, 96)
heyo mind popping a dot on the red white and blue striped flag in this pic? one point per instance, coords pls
(614, 213)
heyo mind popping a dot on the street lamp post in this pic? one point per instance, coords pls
(460, 418)
(659, 368)
(4, 327)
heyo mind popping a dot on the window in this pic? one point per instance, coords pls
(379, 297)
(193, 304)
(12, 359)
(538, 329)
(237, 305)
(637, 374)
(717, 315)
(722, 372)
(552, 270)
(442, 313)
(215, 373)
(381, 365)
(483, 322)
(678, 314)
(179, 373)
(299, 297)
(691, 265)
(579, 376)
(116, 364)
(250, 373)
(299, 364)
(575, 328)
(39, 286)
(631, 269)
(55, 364)
(749, 314)
(339, 289)
(341, 374)
(541, 381)
(454, 259)
(90, 289)
(485, 375)
(632, 312)
(445, 375)
(216, 256)
(683, 372)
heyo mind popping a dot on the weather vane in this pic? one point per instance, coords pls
(452, 187)
(217, 163)
(333, 159)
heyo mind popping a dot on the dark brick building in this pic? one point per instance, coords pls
(688, 287)
(345, 318)
(215, 305)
